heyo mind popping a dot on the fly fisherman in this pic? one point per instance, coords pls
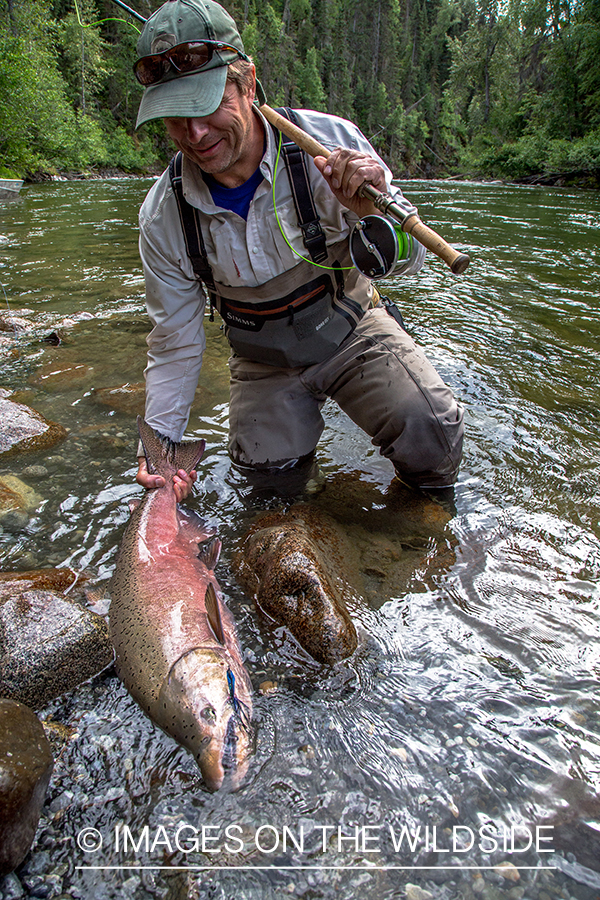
(303, 324)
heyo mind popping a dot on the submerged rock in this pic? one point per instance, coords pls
(131, 398)
(48, 644)
(398, 512)
(24, 429)
(35, 472)
(14, 323)
(25, 768)
(125, 398)
(291, 563)
(7, 346)
(17, 502)
(63, 375)
(41, 579)
(350, 546)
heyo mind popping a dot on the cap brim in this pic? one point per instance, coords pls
(188, 96)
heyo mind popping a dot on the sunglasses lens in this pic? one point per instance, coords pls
(150, 69)
(184, 58)
(191, 56)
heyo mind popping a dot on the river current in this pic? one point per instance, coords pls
(457, 753)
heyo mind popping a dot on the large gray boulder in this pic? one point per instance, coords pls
(24, 429)
(48, 643)
(25, 768)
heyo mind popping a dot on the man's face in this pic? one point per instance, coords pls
(221, 142)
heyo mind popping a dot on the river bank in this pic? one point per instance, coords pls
(584, 179)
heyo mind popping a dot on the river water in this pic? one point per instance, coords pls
(472, 702)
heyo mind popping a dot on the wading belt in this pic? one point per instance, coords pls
(308, 218)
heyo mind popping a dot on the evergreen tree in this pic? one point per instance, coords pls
(509, 88)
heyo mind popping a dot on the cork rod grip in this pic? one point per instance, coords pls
(412, 224)
(425, 235)
(304, 140)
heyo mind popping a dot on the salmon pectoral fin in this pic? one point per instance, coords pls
(214, 613)
(195, 528)
(210, 554)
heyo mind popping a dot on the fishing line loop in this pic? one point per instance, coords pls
(318, 265)
(100, 21)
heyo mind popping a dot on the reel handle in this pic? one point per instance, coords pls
(412, 224)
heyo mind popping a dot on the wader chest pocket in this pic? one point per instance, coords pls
(300, 329)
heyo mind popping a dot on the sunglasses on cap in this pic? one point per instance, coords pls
(185, 58)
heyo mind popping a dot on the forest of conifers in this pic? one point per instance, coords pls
(500, 88)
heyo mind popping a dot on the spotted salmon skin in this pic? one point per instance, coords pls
(175, 640)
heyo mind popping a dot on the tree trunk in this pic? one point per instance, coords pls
(11, 16)
(377, 41)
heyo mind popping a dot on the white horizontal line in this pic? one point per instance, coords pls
(313, 868)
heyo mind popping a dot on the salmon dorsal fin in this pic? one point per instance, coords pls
(210, 554)
(164, 456)
(213, 613)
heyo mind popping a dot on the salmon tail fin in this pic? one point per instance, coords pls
(164, 456)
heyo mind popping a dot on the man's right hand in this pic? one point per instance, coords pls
(182, 481)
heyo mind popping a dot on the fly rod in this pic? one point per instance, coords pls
(410, 222)
(132, 12)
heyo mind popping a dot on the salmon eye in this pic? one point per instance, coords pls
(209, 714)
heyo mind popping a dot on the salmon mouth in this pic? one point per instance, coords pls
(200, 707)
(227, 764)
(229, 755)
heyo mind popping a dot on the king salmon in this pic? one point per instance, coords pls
(177, 650)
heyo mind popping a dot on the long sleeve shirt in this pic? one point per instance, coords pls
(242, 253)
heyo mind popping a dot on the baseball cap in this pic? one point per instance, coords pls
(198, 93)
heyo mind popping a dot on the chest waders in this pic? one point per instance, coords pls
(294, 319)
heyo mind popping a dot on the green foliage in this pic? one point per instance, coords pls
(309, 87)
(55, 80)
(525, 86)
(85, 65)
(507, 88)
(35, 116)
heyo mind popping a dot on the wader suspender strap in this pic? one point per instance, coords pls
(192, 232)
(308, 217)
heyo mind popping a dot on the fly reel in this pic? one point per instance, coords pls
(379, 248)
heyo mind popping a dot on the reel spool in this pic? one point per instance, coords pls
(379, 248)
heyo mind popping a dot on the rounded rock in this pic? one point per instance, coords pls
(25, 768)
(24, 429)
(35, 471)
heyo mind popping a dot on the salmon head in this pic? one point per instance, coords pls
(205, 704)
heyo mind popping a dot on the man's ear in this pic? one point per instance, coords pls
(252, 89)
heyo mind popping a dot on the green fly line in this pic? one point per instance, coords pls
(100, 21)
(318, 265)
